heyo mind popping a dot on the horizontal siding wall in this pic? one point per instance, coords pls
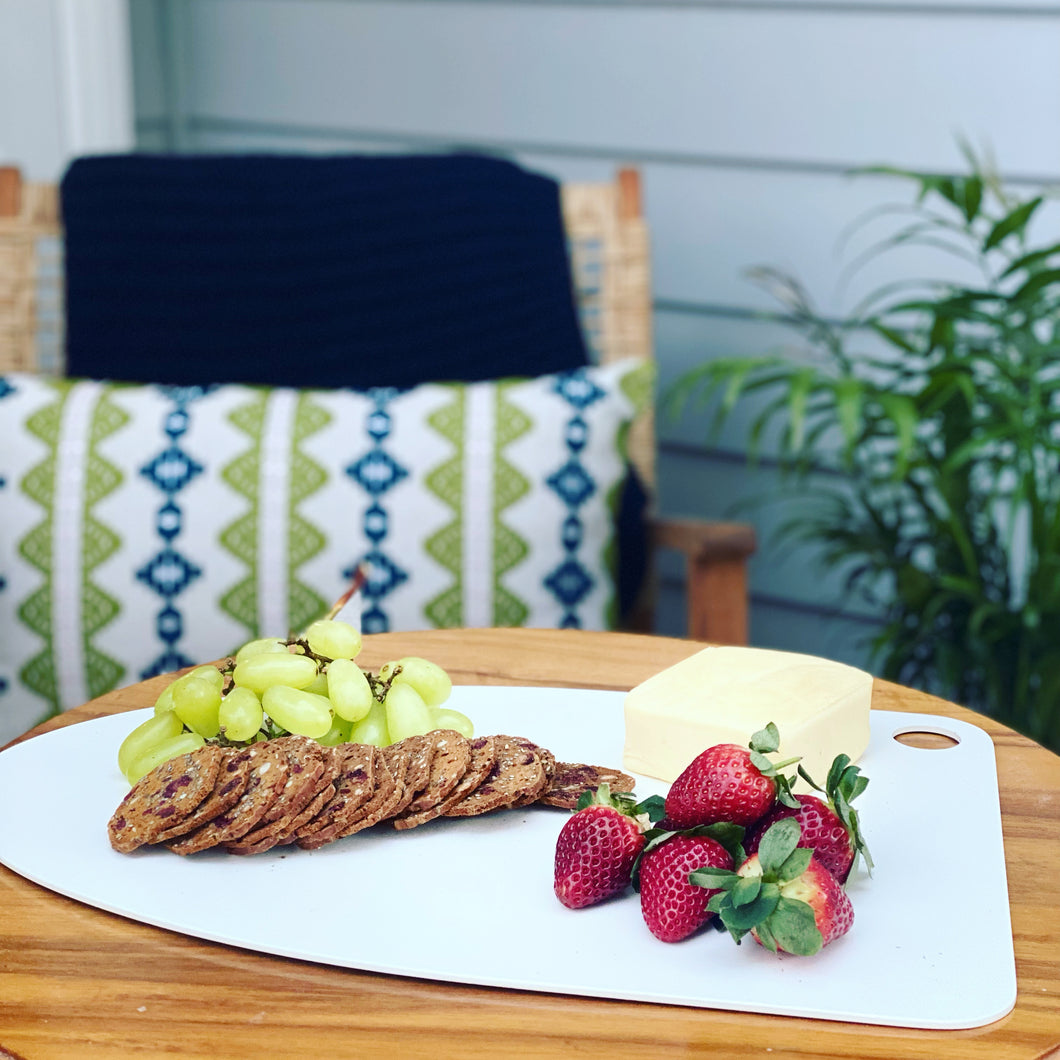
(745, 119)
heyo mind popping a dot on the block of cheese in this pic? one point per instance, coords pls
(724, 695)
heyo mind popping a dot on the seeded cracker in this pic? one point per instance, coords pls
(306, 778)
(383, 790)
(548, 764)
(517, 773)
(232, 780)
(450, 756)
(163, 797)
(417, 751)
(354, 786)
(267, 778)
(483, 756)
(292, 789)
(312, 808)
(381, 805)
(574, 778)
(398, 764)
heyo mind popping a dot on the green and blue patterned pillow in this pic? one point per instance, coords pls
(145, 528)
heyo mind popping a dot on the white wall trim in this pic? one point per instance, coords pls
(94, 65)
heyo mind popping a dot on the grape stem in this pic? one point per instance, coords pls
(303, 645)
(360, 576)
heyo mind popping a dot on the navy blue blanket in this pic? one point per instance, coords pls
(315, 271)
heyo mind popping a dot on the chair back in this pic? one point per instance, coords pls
(31, 304)
(610, 264)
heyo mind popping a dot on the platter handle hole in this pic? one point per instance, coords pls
(927, 739)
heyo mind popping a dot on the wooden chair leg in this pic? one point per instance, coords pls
(716, 555)
(717, 600)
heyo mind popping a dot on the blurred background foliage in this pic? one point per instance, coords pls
(937, 405)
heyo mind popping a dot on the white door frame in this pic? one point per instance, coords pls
(94, 67)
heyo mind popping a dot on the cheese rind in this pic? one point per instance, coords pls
(725, 695)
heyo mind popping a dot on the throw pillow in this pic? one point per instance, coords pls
(146, 528)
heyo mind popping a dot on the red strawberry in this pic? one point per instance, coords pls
(831, 828)
(782, 895)
(597, 848)
(829, 904)
(729, 783)
(672, 907)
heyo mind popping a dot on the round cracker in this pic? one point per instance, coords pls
(163, 797)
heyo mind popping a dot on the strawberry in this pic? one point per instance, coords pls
(727, 782)
(831, 829)
(672, 907)
(782, 895)
(597, 848)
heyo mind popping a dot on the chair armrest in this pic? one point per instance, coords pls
(716, 555)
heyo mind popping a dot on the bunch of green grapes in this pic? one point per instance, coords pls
(309, 685)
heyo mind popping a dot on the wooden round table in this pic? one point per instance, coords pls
(79, 982)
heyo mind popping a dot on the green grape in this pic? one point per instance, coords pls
(406, 713)
(333, 639)
(348, 689)
(297, 711)
(372, 727)
(162, 752)
(196, 702)
(165, 700)
(338, 733)
(263, 646)
(428, 678)
(260, 672)
(206, 673)
(146, 735)
(240, 714)
(447, 718)
(319, 684)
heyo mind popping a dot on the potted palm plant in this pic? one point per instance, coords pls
(937, 405)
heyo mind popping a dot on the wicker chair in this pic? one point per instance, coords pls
(610, 260)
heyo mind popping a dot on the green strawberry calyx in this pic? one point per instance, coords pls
(644, 813)
(767, 741)
(842, 786)
(758, 902)
(729, 835)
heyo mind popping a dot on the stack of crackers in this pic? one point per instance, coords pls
(293, 790)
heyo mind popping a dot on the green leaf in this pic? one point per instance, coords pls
(766, 740)
(970, 193)
(809, 780)
(746, 890)
(654, 806)
(1027, 261)
(1035, 284)
(761, 763)
(784, 793)
(777, 844)
(849, 399)
(904, 340)
(794, 864)
(798, 395)
(744, 917)
(729, 835)
(905, 417)
(718, 899)
(1012, 224)
(794, 927)
(713, 879)
(835, 771)
(766, 936)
